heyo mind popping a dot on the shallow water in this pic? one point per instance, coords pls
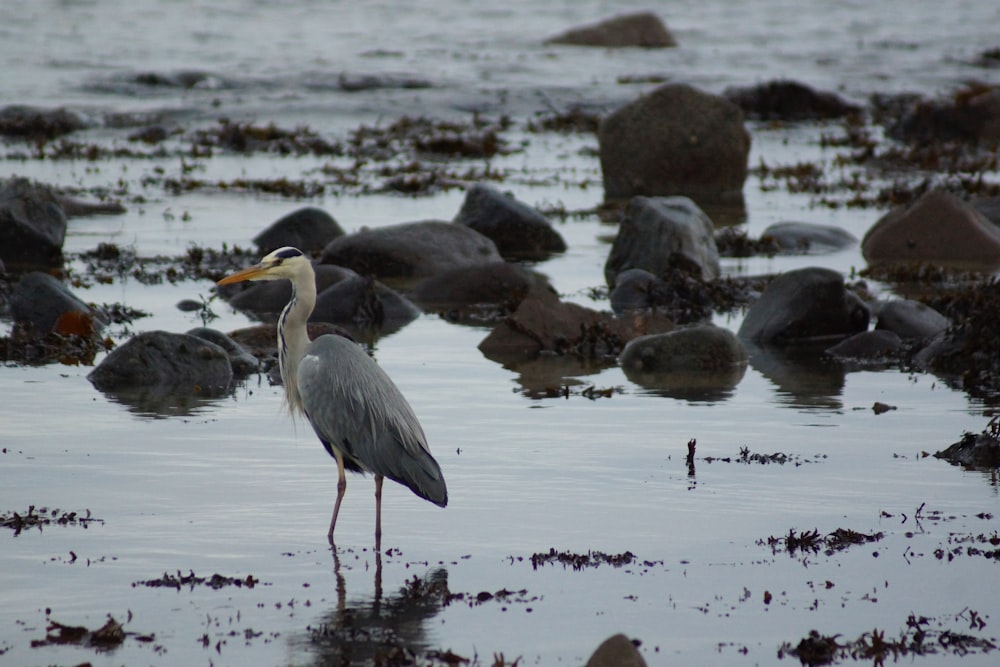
(231, 486)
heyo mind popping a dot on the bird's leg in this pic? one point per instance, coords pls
(378, 512)
(341, 488)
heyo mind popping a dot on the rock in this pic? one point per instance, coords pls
(676, 140)
(678, 295)
(262, 340)
(240, 360)
(911, 319)
(309, 229)
(637, 289)
(806, 238)
(690, 360)
(519, 231)
(39, 125)
(411, 250)
(698, 348)
(497, 283)
(972, 115)
(788, 100)
(365, 303)
(41, 303)
(804, 304)
(543, 323)
(79, 208)
(938, 227)
(879, 346)
(980, 450)
(159, 358)
(643, 29)
(989, 207)
(616, 651)
(658, 233)
(32, 226)
(266, 299)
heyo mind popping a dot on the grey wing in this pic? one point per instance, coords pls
(354, 406)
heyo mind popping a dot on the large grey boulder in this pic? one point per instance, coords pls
(39, 302)
(804, 304)
(644, 29)
(519, 231)
(309, 229)
(411, 250)
(938, 227)
(497, 283)
(32, 226)
(677, 140)
(163, 359)
(658, 233)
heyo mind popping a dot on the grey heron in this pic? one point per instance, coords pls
(359, 414)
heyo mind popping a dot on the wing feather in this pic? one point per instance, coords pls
(357, 408)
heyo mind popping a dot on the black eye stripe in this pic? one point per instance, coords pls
(286, 253)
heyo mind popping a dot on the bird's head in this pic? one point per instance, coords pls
(284, 262)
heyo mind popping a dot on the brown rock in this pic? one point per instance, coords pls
(938, 227)
(643, 29)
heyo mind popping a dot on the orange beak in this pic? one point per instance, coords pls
(246, 274)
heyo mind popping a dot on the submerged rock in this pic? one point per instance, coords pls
(498, 283)
(159, 358)
(676, 140)
(980, 450)
(879, 346)
(688, 361)
(938, 227)
(788, 100)
(37, 124)
(804, 304)
(32, 226)
(411, 250)
(643, 29)
(806, 238)
(972, 115)
(543, 323)
(519, 231)
(911, 319)
(309, 229)
(659, 233)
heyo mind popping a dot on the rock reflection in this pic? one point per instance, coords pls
(706, 386)
(803, 375)
(163, 401)
(549, 375)
(389, 629)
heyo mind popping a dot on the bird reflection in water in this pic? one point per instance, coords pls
(390, 629)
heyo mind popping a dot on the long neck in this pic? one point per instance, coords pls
(292, 336)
